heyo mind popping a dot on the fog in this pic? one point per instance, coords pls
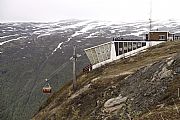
(114, 10)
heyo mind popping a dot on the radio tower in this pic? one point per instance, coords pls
(150, 19)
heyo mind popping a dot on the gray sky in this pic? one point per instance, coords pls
(115, 10)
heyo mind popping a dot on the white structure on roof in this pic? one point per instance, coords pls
(105, 53)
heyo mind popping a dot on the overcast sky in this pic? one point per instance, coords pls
(115, 10)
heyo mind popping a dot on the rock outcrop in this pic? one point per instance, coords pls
(114, 104)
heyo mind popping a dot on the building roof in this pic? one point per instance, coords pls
(159, 31)
(177, 34)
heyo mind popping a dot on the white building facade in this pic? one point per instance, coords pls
(105, 53)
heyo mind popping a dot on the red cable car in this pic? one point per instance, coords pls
(47, 89)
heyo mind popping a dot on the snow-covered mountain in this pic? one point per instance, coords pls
(80, 31)
(32, 52)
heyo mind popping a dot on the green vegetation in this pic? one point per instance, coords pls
(149, 80)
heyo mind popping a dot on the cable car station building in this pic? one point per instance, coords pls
(159, 35)
(105, 53)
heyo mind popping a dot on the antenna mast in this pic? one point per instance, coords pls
(150, 19)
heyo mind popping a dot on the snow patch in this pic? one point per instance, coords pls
(9, 27)
(92, 35)
(8, 36)
(2, 43)
(78, 41)
(10, 30)
(136, 33)
(42, 35)
(76, 25)
(37, 32)
(82, 31)
(89, 25)
(112, 31)
(49, 29)
(69, 39)
(76, 33)
(58, 47)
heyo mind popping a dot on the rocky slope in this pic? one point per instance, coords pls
(31, 52)
(142, 87)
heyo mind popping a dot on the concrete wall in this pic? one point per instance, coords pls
(100, 53)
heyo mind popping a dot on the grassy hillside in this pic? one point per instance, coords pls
(142, 87)
(24, 65)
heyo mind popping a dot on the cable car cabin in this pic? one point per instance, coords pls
(46, 89)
